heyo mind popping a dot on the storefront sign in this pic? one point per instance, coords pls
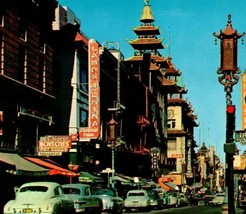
(54, 145)
(93, 129)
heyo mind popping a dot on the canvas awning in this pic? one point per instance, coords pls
(122, 180)
(54, 169)
(21, 166)
(168, 186)
(86, 177)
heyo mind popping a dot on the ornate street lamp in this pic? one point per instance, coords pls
(112, 137)
(70, 166)
(228, 72)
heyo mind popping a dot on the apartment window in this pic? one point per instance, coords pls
(83, 79)
(171, 124)
(174, 96)
(42, 44)
(1, 19)
(23, 29)
(171, 161)
(22, 64)
(172, 78)
(171, 144)
(42, 72)
(83, 118)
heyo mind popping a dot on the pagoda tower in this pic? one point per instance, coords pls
(149, 67)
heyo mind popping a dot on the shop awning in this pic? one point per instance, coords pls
(86, 177)
(53, 168)
(168, 186)
(20, 166)
(122, 180)
(172, 185)
(148, 184)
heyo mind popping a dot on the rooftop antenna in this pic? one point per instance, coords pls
(169, 42)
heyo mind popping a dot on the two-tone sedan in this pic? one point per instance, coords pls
(112, 203)
(40, 197)
(84, 199)
(137, 199)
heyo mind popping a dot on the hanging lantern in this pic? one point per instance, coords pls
(112, 129)
(228, 58)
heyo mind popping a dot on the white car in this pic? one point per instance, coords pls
(83, 198)
(218, 199)
(40, 197)
(137, 199)
(111, 202)
(172, 199)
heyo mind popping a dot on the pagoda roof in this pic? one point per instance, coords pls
(147, 30)
(176, 132)
(155, 58)
(229, 31)
(171, 70)
(146, 43)
(147, 15)
(171, 86)
(176, 101)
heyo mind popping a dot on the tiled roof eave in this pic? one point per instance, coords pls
(176, 132)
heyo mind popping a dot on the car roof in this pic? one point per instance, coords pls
(78, 185)
(137, 190)
(41, 183)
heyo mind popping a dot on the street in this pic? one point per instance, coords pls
(190, 210)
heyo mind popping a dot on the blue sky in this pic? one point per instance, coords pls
(187, 28)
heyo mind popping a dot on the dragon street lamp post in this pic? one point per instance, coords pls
(228, 77)
(112, 137)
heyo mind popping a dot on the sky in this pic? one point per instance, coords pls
(187, 31)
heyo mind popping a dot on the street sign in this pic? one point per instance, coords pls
(240, 136)
(49, 154)
(108, 170)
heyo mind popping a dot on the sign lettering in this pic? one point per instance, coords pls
(93, 129)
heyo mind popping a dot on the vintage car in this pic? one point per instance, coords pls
(112, 203)
(39, 197)
(156, 202)
(218, 199)
(172, 199)
(162, 194)
(137, 199)
(83, 198)
(183, 200)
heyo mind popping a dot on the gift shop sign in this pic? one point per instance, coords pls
(93, 129)
(54, 145)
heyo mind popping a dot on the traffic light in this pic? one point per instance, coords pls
(230, 123)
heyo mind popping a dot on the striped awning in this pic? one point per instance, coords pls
(20, 166)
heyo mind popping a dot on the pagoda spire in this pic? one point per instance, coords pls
(147, 15)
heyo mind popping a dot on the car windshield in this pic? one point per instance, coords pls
(104, 192)
(70, 190)
(152, 193)
(136, 194)
(34, 189)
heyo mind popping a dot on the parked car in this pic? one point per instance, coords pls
(162, 194)
(83, 199)
(39, 197)
(137, 199)
(183, 200)
(111, 201)
(191, 198)
(155, 200)
(218, 199)
(172, 199)
(208, 198)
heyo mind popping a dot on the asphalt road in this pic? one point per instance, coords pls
(189, 210)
